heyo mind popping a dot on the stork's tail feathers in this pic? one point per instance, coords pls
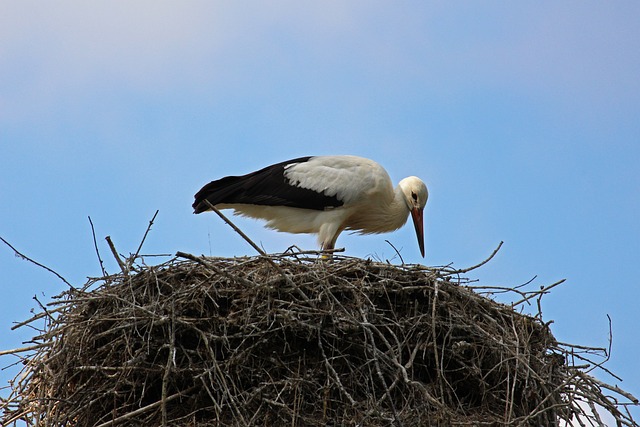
(219, 191)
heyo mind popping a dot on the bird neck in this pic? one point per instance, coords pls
(398, 211)
(384, 214)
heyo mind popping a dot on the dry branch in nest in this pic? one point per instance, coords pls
(291, 340)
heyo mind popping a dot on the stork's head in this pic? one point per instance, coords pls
(416, 195)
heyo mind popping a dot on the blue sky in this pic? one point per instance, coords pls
(522, 118)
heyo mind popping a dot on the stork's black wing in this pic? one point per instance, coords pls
(268, 187)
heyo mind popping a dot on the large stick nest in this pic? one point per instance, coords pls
(292, 340)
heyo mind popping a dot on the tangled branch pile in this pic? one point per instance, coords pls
(289, 340)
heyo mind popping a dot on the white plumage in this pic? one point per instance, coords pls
(323, 195)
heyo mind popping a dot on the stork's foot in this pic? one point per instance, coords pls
(327, 253)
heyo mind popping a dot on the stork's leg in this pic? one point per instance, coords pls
(327, 248)
(327, 237)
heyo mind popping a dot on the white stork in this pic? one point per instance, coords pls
(323, 195)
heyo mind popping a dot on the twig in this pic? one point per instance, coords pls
(132, 259)
(583, 347)
(333, 371)
(24, 349)
(610, 338)
(202, 260)
(465, 270)
(257, 248)
(37, 263)
(434, 334)
(170, 361)
(95, 245)
(236, 229)
(290, 251)
(122, 265)
(42, 307)
(590, 365)
(39, 315)
(541, 291)
(613, 388)
(366, 326)
(144, 409)
(397, 251)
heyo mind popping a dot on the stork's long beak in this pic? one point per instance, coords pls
(416, 214)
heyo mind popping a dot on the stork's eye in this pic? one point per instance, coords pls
(414, 196)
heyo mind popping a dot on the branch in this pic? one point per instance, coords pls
(122, 265)
(257, 248)
(132, 260)
(613, 388)
(397, 251)
(24, 349)
(465, 270)
(37, 263)
(540, 292)
(144, 409)
(235, 228)
(95, 245)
